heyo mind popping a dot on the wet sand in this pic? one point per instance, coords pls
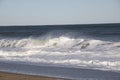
(14, 76)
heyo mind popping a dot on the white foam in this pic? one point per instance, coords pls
(63, 50)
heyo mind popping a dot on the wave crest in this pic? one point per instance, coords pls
(62, 50)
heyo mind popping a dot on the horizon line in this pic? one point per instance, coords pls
(60, 24)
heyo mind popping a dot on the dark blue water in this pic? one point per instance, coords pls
(109, 32)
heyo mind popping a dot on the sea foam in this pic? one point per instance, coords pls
(62, 50)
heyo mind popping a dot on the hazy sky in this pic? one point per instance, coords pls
(45, 12)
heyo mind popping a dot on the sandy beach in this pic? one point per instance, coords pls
(14, 76)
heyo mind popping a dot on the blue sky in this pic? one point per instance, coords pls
(49, 12)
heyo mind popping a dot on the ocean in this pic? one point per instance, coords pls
(90, 46)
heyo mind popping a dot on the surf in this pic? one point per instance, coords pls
(74, 46)
(63, 51)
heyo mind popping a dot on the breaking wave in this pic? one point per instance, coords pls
(62, 50)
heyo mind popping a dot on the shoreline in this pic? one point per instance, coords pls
(18, 76)
(54, 73)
